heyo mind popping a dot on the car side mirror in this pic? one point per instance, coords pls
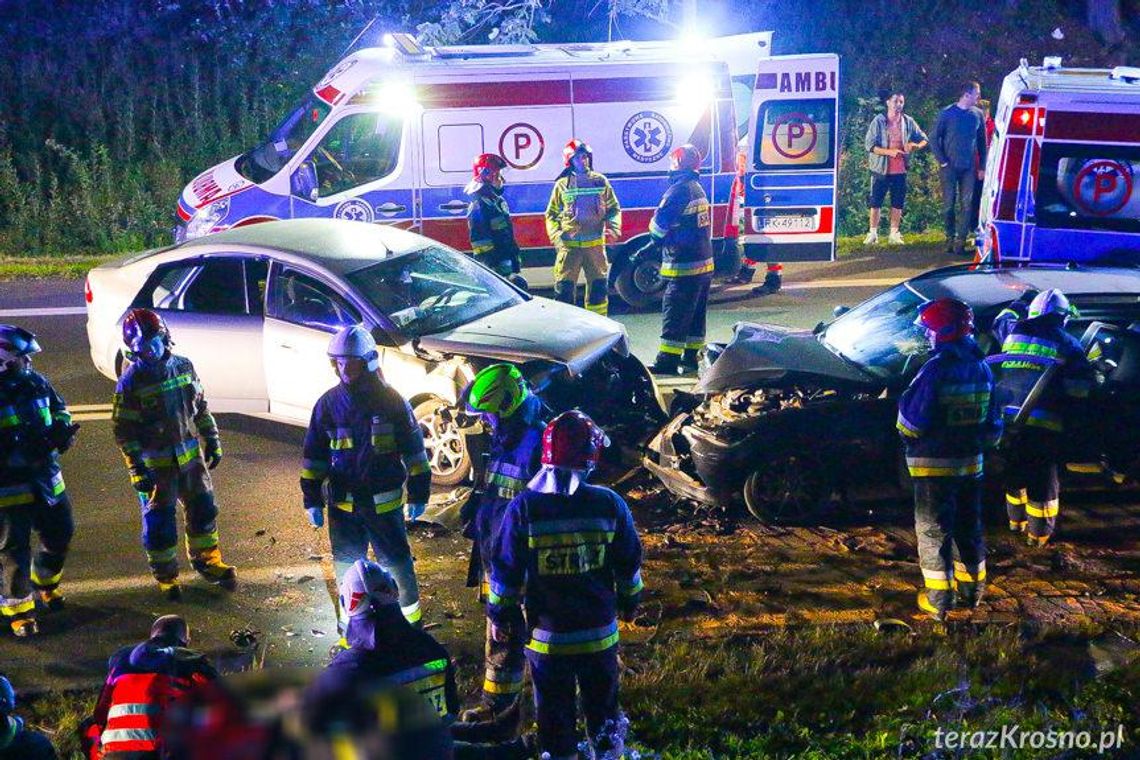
(383, 338)
(839, 311)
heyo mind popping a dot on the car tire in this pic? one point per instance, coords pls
(640, 285)
(784, 491)
(448, 449)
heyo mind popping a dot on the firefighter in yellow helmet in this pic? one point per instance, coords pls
(582, 214)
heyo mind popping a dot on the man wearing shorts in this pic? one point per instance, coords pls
(891, 138)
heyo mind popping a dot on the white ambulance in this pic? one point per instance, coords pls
(389, 135)
(1062, 169)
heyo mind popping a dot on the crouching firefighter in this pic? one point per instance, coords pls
(501, 395)
(1043, 369)
(681, 228)
(582, 213)
(362, 447)
(947, 420)
(386, 652)
(142, 682)
(570, 553)
(159, 414)
(35, 428)
(489, 220)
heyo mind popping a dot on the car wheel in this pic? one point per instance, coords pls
(446, 445)
(640, 285)
(785, 490)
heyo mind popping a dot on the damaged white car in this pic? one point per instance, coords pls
(254, 309)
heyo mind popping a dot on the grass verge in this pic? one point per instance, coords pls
(42, 267)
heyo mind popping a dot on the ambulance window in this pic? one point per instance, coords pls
(360, 148)
(287, 138)
(1089, 187)
(795, 134)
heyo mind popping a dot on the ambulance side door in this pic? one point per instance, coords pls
(792, 148)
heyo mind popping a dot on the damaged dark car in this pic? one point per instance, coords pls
(787, 421)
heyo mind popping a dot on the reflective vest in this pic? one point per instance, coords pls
(581, 209)
(682, 224)
(947, 417)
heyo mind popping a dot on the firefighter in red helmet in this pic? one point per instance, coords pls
(569, 553)
(489, 219)
(681, 229)
(947, 420)
(582, 215)
(160, 419)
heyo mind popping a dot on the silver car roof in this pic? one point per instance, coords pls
(335, 244)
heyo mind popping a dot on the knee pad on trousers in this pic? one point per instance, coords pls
(564, 291)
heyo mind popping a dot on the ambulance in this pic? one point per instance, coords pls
(389, 134)
(1062, 168)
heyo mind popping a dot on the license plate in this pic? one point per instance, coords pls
(785, 223)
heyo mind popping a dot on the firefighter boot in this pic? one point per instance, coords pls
(926, 606)
(171, 589)
(689, 361)
(208, 563)
(771, 284)
(744, 276)
(51, 599)
(25, 627)
(665, 364)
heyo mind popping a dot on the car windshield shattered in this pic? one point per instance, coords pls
(880, 335)
(433, 290)
(267, 159)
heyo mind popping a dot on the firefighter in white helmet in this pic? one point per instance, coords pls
(362, 447)
(582, 214)
(34, 429)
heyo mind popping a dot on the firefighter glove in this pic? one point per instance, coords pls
(414, 511)
(644, 253)
(63, 436)
(143, 480)
(316, 516)
(213, 452)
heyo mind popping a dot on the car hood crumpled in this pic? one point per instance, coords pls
(770, 353)
(535, 329)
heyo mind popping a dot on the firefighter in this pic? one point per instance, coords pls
(159, 414)
(362, 447)
(16, 741)
(489, 219)
(680, 229)
(1035, 345)
(947, 419)
(385, 651)
(582, 214)
(142, 681)
(501, 395)
(573, 547)
(35, 429)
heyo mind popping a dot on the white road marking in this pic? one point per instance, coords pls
(257, 575)
(46, 311)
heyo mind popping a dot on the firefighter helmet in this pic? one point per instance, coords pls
(947, 319)
(355, 342)
(487, 167)
(1050, 302)
(685, 158)
(7, 697)
(16, 343)
(572, 440)
(145, 335)
(578, 147)
(499, 389)
(366, 585)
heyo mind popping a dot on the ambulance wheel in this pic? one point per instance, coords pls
(784, 490)
(446, 445)
(640, 285)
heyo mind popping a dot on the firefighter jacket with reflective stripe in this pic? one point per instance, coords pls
(489, 224)
(364, 440)
(947, 417)
(18, 743)
(159, 412)
(30, 412)
(581, 209)
(682, 224)
(514, 457)
(1030, 348)
(141, 682)
(384, 650)
(578, 557)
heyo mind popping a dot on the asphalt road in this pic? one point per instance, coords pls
(284, 571)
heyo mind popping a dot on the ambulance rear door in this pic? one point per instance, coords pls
(790, 180)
